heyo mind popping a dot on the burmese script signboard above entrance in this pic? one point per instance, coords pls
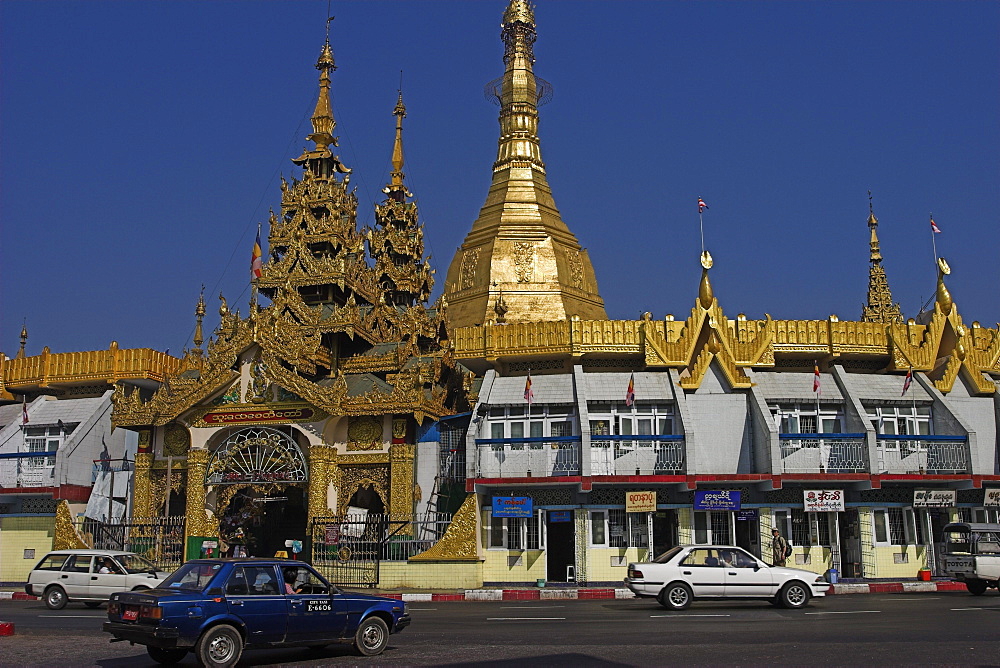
(259, 415)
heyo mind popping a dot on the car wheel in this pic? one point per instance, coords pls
(55, 598)
(372, 636)
(794, 595)
(219, 647)
(976, 587)
(93, 604)
(675, 596)
(165, 655)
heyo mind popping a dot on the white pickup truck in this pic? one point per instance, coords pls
(972, 554)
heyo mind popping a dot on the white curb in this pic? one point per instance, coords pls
(418, 597)
(484, 594)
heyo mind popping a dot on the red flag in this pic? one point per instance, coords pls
(256, 265)
(906, 383)
(529, 394)
(934, 227)
(630, 392)
(701, 205)
(24, 410)
(816, 384)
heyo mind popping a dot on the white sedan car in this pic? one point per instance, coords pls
(688, 572)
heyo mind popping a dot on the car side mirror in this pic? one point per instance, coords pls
(214, 591)
(756, 566)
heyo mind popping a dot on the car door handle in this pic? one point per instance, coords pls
(687, 572)
(64, 576)
(731, 573)
(296, 602)
(93, 577)
(236, 602)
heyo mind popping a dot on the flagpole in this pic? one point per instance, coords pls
(933, 242)
(701, 228)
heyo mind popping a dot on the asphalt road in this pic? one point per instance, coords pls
(903, 629)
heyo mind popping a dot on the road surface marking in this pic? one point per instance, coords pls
(842, 612)
(910, 598)
(76, 616)
(957, 609)
(530, 607)
(521, 619)
(689, 615)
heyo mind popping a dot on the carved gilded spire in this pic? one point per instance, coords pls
(321, 161)
(880, 307)
(396, 177)
(397, 241)
(519, 244)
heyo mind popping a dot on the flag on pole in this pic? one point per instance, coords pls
(701, 205)
(24, 410)
(934, 227)
(630, 392)
(816, 383)
(255, 259)
(906, 383)
(529, 394)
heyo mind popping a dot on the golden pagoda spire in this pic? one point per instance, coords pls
(24, 340)
(396, 176)
(519, 244)
(880, 307)
(321, 160)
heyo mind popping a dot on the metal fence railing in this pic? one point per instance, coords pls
(349, 549)
(28, 469)
(637, 455)
(538, 457)
(159, 539)
(923, 454)
(823, 453)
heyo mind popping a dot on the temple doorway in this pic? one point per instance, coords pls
(257, 522)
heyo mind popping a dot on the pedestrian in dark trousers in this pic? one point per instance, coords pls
(779, 548)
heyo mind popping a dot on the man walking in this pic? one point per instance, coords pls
(779, 548)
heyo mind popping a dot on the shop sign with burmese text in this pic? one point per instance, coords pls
(992, 497)
(722, 499)
(823, 500)
(934, 498)
(512, 506)
(640, 502)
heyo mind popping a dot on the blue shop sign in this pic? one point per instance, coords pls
(560, 516)
(512, 506)
(724, 499)
(746, 515)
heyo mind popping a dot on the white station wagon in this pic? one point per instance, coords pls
(688, 572)
(90, 576)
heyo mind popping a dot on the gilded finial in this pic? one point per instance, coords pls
(199, 313)
(396, 177)
(943, 296)
(705, 294)
(321, 160)
(223, 306)
(24, 339)
(500, 307)
(880, 307)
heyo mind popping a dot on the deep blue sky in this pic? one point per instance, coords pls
(141, 143)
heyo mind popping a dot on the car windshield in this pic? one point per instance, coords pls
(667, 556)
(191, 577)
(133, 563)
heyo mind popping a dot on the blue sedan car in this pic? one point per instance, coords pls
(216, 607)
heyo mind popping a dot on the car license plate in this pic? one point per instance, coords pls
(130, 614)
